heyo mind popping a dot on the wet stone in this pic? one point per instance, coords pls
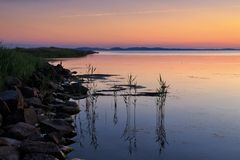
(59, 125)
(13, 99)
(9, 153)
(30, 116)
(4, 141)
(22, 130)
(42, 147)
(39, 156)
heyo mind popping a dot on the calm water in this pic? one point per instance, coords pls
(199, 119)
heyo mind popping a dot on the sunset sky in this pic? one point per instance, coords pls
(108, 23)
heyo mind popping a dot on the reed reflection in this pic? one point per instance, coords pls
(115, 116)
(161, 137)
(130, 100)
(90, 112)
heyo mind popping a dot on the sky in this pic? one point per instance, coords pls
(124, 23)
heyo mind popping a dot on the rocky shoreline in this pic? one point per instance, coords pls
(36, 116)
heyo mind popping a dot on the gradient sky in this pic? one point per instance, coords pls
(107, 23)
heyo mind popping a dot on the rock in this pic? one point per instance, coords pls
(42, 147)
(76, 89)
(60, 70)
(2, 132)
(13, 98)
(74, 72)
(71, 103)
(9, 153)
(62, 96)
(21, 130)
(67, 141)
(58, 125)
(29, 92)
(34, 101)
(54, 137)
(21, 103)
(4, 109)
(39, 156)
(1, 119)
(30, 116)
(66, 149)
(13, 82)
(68, 107)
(35, 81)
(52, 85)
(4, 141)
(14, 117)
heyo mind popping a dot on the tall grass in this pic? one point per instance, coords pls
(17, 64)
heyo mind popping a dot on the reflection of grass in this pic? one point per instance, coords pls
(17, 64)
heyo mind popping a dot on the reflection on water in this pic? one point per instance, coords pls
(115, 116)
(124, 126)
(161, 136)
(130, 131)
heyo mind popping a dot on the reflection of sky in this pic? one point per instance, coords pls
(201, 114)
(191, 23)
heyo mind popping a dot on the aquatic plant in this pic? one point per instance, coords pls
(131, 80)
(163, 87)
(91, 69)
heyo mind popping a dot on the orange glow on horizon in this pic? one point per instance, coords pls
(210, 27)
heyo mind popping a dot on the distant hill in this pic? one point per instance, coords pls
(156, 49)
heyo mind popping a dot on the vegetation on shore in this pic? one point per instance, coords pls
(17, 64)
(22, 62)
(53, 52)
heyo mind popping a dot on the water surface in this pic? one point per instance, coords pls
(198, 119)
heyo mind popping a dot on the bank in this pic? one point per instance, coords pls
(36, 106)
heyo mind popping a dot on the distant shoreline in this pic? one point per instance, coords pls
(157, 49)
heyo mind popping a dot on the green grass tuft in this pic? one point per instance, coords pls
(17, 64)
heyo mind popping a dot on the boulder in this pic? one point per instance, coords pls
(62, 96)
(39, 156)
(42, 147)
(1, 119)
(66, 109)
(76, 88)
(21, 130)
(57, 125)
(4, 141)
(34, 101)
(14, 117)
(54, 137)
(4, 109)
(13, 98)
(9, 153)
(12, 82)
(74, 72)
(30, 116)
(66, 149)
(29, 92)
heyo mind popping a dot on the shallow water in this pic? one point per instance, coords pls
(198, 119)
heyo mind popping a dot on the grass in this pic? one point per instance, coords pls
(53, 52)
(17, 64)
